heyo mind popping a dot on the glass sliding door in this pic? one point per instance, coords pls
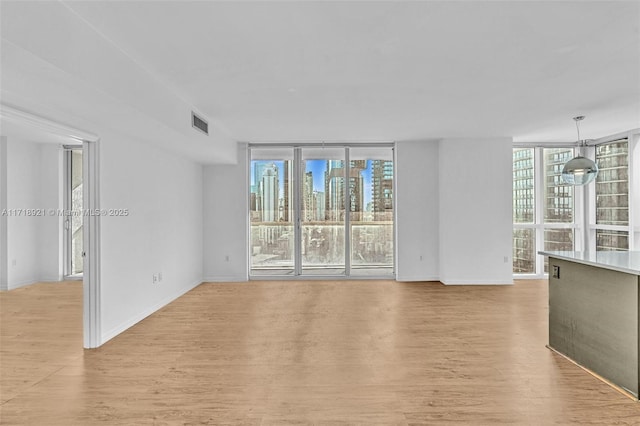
(272, 245)
(371, 211)
(321, 211)
(322, 206)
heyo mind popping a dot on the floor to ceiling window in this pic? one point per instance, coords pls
(549, 215)
(323, 202)
(524, 235)
(321, 211)
(558, 202)
(612, 196)
(371, 211)
(543, 207)
(272, 242)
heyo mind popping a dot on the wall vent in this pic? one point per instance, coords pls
(199, 123)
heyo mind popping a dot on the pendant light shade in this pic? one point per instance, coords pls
(579, 170)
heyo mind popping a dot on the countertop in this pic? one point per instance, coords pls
(622, 261)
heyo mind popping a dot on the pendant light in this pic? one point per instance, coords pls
(579, 170)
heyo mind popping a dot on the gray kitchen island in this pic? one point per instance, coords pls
(594, 313)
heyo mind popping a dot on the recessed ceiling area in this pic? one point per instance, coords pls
(334, 71)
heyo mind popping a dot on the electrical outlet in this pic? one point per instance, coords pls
(155, 278)
(420, 258)
(556, 271)
(226, 258)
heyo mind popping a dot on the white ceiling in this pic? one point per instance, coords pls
(334, 71)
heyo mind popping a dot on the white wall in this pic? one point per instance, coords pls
(475, 178)
(453, 221)
(226, 213)
(23, 189)
(161, 234)
(51, 197)
(4, 285)
(417, 254)
(34, 243)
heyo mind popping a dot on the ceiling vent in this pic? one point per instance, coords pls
(199, 123)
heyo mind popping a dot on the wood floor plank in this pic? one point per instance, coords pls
(297, 353)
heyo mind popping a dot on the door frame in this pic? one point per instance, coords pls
(92, 336)
(67, 207)
(91, 244)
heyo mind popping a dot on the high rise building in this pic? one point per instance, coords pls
(558, 196)
(382, 189)
(269, 191)
(253, 201)
(523, 191)
(308, 201)
(258, 169)
(334, 189)
(523, 210)
(612, 195)
(356, 189)
(558, 201)
(318, 197)
(288, 187)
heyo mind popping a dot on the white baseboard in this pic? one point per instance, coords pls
(455, 281)
(416, 278)
(52, 279)
(31, 282)
(20, 284)
(476, 282)
(137, 318)
(224, 279)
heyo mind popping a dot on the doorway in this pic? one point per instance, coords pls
(73, 213)
(321, 211)
(86, 193)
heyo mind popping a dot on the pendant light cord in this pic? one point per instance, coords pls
(578, 119)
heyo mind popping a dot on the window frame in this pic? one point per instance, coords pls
(633, 160)
(297, 209)
(584, 216)
(538, 225)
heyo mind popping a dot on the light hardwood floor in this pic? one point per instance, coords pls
(315, 352)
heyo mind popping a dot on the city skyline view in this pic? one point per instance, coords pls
(326, 242)
(548, 221)
(317, 167)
